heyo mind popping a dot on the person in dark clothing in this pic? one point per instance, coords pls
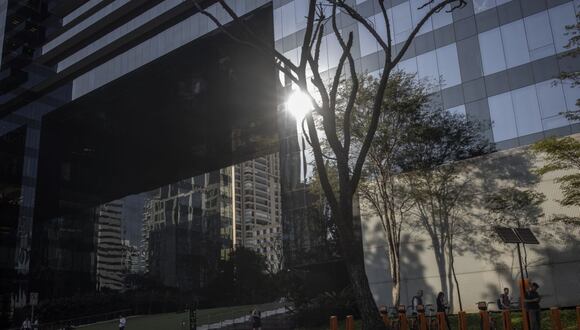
(416, 301)
(256, 320)
(532, 301)
(505, 300)
(442, 307)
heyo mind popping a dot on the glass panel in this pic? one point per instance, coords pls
(492, 54)
(301, 14)
(448, 65)
(442, 18)
(427, 65)
(561, 16)
(502, 117)
(527, 110)
(551, 98)
(482, 5)
(539, 35)
(514, 44)
(402, 21)
(381, 27)
(368, 44)
(409, 66)
(572, 94)
(417, 14)
(288, 19)
(334, 50)
(555, 122)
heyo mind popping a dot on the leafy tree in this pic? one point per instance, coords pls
(382, 186)
(349, 161)
(562, 154)
(243, 279)
(439, 185)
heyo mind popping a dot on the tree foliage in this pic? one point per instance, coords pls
(562, 154)
(513, 207)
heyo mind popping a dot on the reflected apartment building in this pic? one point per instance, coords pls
(103, 99)
(188, 226)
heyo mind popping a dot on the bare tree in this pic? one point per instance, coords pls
(349, 161)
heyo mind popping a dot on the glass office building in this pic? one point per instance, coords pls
(104, 99)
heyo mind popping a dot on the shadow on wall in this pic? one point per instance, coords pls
(484, 265)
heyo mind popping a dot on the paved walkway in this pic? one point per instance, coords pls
(273, 316)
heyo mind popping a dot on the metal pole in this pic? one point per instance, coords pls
(523, 303)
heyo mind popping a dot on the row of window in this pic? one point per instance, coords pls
(531, 109)
(522, 41)
(525, 40)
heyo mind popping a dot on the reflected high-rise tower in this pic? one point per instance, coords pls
(188, 230)
(110, 256)
(257, 208)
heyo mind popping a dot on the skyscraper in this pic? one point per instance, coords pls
(110, 255)
(258, 211)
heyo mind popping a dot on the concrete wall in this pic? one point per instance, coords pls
(483, 265)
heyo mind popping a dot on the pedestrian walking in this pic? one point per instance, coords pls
(26, 324)
(532, 300)
(256, 320)
(416, 301)
(122, 322)
(442, 307)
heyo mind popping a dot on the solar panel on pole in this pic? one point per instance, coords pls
(526, 236)
(507, 235)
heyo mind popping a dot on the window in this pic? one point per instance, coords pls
(402, 21)
(368, 44)
(551, 98)
(427, 67)
(513, 36)
(482, 5)
(448, 64)
(334, 50)
(417, 14)
(572, 94)
(527, 110)
(539, 35)
(380, 25)
(492, 55)
(301, 14)
(287, 13)
(442, 18)
(502, 117)
(561, 16)
(409, 66)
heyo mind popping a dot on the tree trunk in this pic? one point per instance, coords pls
(452, 266)
(395, 276)
(441, 265)
(352, 251)
(396, 292)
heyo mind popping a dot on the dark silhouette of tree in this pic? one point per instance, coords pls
(323, 96)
